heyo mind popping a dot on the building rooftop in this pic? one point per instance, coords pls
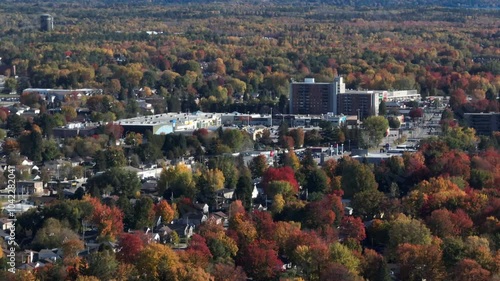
(166, 118)
(60, 90)
(482, 113)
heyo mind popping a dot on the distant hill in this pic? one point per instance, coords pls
(353, 3)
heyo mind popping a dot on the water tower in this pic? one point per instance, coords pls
(46, 22)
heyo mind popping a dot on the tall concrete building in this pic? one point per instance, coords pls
(309, 97)
(46, 22)
(361, 104)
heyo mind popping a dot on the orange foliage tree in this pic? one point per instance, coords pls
(165, 211)
(109, 220)
(419, 262)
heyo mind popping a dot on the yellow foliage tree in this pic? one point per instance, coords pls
(245, 229)
(158, 262)
(214, 178)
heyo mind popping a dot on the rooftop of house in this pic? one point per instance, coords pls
(219, 214)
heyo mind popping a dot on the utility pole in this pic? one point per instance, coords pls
(271, 117)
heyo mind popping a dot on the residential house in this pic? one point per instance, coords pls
(195, 218)
(26, 162)
(151, 236)
(18, 109)
(76, 161)
(149, 186)
(29, 187)
(348, 210)
(5, 223)
(17, 209)
(28, 256)
(43, 200)
(223, 198)
(256, 192)
(56, 165)
(226, 193)
(35, 169)
(54, 185)
(202, 207)
(185, 231)
(145, 106)
(144, 173)
(5, 234)
(90, 248)
(32, 112)
(48, 254)
(31, 266)
(219, 218)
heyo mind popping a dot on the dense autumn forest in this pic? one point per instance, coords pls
(356, 3)
(210, 58)
(430, 215)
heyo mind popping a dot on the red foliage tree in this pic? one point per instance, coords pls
(286, 142)
(198, 253)
(487, 160)
(264, 224)
(261, 261)
(201, 132)
(415, 168)
(4, 113)
(416, 112)
(457, 98)
(226, 272)
(352, 227)
(336, 271)
(489, 214)
(319, 214)
(455, 163)
(467, 270)
(114, 130)
(299, 238)
(130, 246)
(440, 224)
(280, 174)
(444, 223)
(463, 223)
(373, 264)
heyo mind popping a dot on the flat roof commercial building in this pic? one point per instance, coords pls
(483, 123)
(167, 123)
